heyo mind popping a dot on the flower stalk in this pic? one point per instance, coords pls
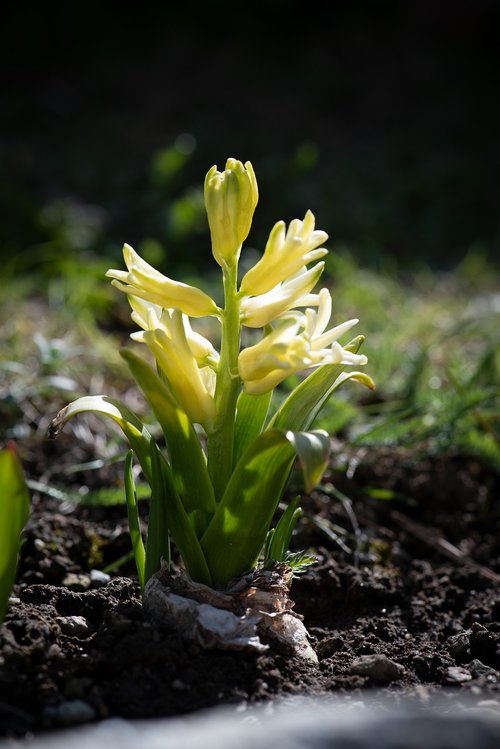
(221, 438)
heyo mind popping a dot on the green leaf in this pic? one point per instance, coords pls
(251, 413)
(313, 452)
(132, 427)
(279, 537)
(186, 456)
(237, 532)
(163, 486)
(300, 409)
(167, 512)
(133, 518)
(163, 496)
(14, 513)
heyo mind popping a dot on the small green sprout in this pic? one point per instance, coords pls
(14, 513)
(216, 488)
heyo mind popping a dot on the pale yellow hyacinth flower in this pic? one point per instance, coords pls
(285, 253)
(298, 342)
(230, 200)
(150, 317)
(145, 282)
(258, 311)
(174, 346)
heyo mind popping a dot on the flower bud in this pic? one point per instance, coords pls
(230, 200)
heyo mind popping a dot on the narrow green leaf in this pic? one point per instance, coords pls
(281, 536)
(186, 456)
(133, 518)
(142, 444)
(238, 530)
(132, 427)
(300, 409)
(167, 512)
(251, 413)
(14, 513)
(158, 541)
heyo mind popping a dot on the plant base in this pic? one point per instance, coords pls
(253, 614)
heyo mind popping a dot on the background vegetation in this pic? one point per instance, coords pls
(383, 118)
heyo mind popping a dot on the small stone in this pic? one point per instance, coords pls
(54, 651)
(459, 644)
(178, 685)
(478, 668)
(456, 675)
(377, 667)
(74, 626)
(329, 646)
(76, 582)
(71, 712)
(99, 579)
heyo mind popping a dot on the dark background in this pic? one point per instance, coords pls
(382, 117)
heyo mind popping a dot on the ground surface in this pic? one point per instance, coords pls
(414, 579)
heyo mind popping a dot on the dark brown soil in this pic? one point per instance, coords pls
(415, 579)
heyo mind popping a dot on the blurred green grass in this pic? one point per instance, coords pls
(431, 340)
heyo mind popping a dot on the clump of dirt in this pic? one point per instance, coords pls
(404, 599)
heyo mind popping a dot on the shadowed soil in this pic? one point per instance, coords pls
(404, 599)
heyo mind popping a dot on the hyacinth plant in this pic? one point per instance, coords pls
(216, 487)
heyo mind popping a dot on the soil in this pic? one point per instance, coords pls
(412, 580)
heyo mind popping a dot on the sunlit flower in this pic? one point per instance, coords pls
(145, 282)
(285, 254)
(151, 317)
(230, 200)
(186, 359)
(298, 342)
(258, 311)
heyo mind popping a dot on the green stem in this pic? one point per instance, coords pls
(221, 439)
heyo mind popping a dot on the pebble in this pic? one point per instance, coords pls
(377, 667)
(76, 582)
(74, 626)
(71, 712)
(99, 579)
(178, 685)
(457, 675)
(459, 644)
(330, 645)
(478, 668)
(54, 651)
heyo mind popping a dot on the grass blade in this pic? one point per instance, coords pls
(133, 519)
(14, 513)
